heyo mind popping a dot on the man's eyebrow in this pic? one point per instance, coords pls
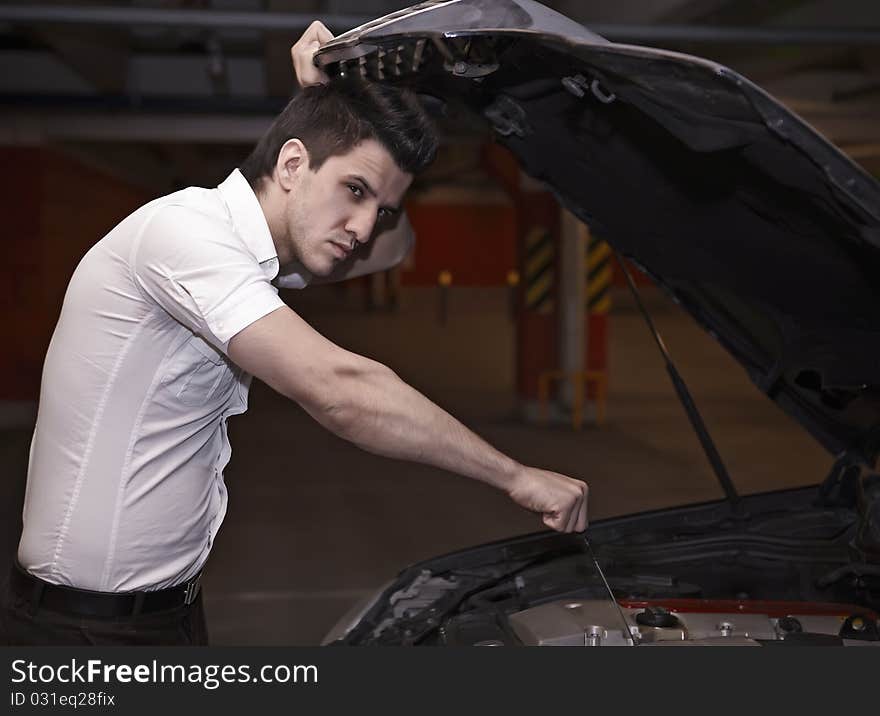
(372, 192)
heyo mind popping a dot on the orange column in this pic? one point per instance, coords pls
(537, 241)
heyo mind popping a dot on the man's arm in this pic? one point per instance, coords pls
(364, 402)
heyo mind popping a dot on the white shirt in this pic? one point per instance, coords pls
(125, 484)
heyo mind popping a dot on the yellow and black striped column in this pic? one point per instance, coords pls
(540, 271)
(599, 275)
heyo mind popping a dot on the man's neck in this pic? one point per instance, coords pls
(271, 199)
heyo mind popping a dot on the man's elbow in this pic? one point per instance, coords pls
(342, 397)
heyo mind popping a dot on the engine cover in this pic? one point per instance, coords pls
(598, 623)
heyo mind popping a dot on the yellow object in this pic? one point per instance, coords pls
(599, 276)
(444, 278)
(580, 380)
(513, 278)
(539, 271)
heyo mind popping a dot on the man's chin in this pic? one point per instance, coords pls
(321, 269)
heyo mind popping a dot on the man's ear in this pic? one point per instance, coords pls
(293, 158)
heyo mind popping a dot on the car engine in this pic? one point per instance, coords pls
(597, 623)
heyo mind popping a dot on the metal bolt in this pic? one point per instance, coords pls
(460, 68)
(572, 86)
(593, 636)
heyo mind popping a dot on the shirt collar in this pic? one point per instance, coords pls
(248, 218)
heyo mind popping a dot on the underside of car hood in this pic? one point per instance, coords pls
(756, 225)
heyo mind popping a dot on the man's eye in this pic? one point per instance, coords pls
(383, 213)
(356, 190)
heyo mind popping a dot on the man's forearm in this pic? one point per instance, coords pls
(373, 408)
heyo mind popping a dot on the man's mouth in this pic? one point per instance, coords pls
(342, 250)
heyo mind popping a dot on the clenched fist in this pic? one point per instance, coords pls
(561, 500)
(303, 54)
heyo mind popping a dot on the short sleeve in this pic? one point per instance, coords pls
(199, 271)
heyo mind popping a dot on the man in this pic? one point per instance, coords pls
(165, 321)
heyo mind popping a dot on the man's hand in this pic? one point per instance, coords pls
(562, 500)
(303, 53)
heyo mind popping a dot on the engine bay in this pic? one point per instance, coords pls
(696, 576)
(688, 623)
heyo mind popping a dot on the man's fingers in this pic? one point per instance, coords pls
(577, 514)
(581, 523)
(552, 520)
(306, 72)
(573, 513)
(578, 510)
(582, 513)
(316, 32)
(560, 500)
(321, 32)
(302, 54)
(566, 519)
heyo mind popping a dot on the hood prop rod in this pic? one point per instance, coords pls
(687, 401)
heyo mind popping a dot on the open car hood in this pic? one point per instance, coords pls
(755, 224)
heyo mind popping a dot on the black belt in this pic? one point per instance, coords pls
(40, 593)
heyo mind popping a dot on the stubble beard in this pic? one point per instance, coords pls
(311, 252)
(297, 240)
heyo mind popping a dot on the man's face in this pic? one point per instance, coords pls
(333, 210)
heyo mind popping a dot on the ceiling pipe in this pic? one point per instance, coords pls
(717, 35)
(158, 17)
(217, 19)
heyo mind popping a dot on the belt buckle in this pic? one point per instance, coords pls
(192, 590)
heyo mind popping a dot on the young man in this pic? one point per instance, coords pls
(165, 321)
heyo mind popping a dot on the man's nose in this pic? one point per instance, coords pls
(360, 227)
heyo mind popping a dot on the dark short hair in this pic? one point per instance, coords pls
(332, 119)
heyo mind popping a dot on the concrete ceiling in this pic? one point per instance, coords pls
(93, 88)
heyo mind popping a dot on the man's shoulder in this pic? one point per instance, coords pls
(188, 209)
(191, 220)
(190, 228)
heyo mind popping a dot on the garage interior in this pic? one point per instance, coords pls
(107, 105)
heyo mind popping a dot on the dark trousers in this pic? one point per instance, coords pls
(21, 625)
